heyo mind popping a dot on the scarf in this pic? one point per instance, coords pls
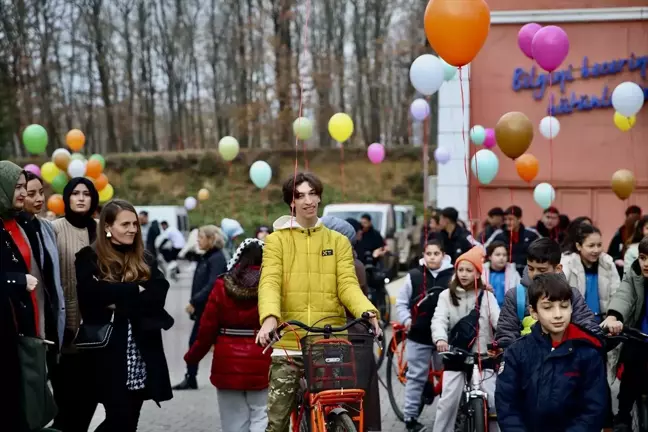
(239, 251)
(82, 220)
(9, 175)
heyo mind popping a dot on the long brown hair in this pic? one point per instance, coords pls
(454, 284)
(115, 266)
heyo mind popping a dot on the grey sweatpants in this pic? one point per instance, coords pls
(243, 411)
(418, 367)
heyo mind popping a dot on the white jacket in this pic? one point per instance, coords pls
(447, 315)
(608, 276)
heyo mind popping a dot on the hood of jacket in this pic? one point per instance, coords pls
(238, 292)
(341, 226)
(9, 175)
(288, 222)
(446, 264)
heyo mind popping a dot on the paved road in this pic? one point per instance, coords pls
(197, 411)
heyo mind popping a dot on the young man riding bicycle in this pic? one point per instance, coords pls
(308, 275)
(628, 308)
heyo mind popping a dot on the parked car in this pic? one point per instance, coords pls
(176, 216)
(408, 233)
(383, 217)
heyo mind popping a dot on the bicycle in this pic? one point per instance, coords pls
(337, 374)
(397, 368)
(640, 410)
(473, 413)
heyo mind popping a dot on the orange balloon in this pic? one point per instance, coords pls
(527, 167)
(75, 139)
(101, 182)
(93, 168)
(457, 29)
(55, 204)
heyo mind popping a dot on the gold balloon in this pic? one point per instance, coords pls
(623, 183)
(203, 194)
(514, 133)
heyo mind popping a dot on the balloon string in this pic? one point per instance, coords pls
(424, 158)
(511, 232)
(305, 41)
(231, 184)
(342, 170)
(551, 98)
(264, 199)
(466, 148)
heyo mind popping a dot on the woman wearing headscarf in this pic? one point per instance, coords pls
(119, 283)
(18, 314)
(49, 291)
(212, 264)
(75, 231)
(229, 323)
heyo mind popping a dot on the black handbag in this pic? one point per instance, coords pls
(94, 336)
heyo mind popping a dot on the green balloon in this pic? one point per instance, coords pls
(59, 182)
(77, 156)
(449, 71)
(100, 158)
(35, 139)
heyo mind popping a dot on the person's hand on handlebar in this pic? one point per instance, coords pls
(373, 319)
(264, 336)
(614, 325)
(442, 346)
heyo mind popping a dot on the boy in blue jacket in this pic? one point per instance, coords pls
(553, 380)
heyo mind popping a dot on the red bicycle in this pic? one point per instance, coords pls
(337, 373)
(397, 374)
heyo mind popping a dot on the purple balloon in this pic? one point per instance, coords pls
(33, 168)
(525, 37)
(550, 47)
(376, 153)
(420, 109)
(441, 155)
(490, 141)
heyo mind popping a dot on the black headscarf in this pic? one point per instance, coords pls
(84, 220)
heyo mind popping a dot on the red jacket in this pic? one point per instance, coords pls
(238, 363)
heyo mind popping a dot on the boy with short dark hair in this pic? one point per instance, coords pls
(543, 256)
(554, 379)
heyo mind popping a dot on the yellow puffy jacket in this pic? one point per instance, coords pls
(308, 275)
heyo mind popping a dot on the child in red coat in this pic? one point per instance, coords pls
(229, 323)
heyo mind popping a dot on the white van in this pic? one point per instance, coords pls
(176, 216)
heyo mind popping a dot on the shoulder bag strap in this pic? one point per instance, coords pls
(520, 294)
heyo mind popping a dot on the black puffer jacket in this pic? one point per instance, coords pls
(211, 265)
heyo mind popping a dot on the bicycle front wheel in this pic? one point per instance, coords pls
(476, 419)
(340, 422)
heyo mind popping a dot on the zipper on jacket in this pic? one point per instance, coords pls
(308, 238)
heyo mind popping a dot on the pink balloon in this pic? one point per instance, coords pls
(525, 37)
(33, 168)
(550, 47)
(376, 153)
(490, 141)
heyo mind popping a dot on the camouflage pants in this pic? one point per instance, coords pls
(285, 374)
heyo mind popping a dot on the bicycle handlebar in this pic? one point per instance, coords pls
(627, 334)
(454, 351)
(327, 329)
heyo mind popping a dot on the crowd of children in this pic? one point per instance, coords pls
(555, 370)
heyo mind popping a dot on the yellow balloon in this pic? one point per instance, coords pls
(340, 127)
(49, 171)
(106, 193)
(623, 123)
(203, 194)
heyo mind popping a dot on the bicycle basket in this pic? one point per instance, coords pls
(340, 362)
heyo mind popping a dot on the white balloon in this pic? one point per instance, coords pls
(190, 203)
(549, 127)
(628, 98)
(426, 74)
(76, 168)
(544, 195)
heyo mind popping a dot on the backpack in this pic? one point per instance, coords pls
(464, 334)
(430, 297)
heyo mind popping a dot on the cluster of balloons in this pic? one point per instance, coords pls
(627, 100)
(483, 136)
(65, 165)
(548, 46)
(191, 203)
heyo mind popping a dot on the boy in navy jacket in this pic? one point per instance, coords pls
(553, 380)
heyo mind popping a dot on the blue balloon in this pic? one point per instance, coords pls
(484, 165)
(478, 135)
(544, 195)
(260, 174)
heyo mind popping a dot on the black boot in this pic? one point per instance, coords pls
(413, 425)
(189, 383)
